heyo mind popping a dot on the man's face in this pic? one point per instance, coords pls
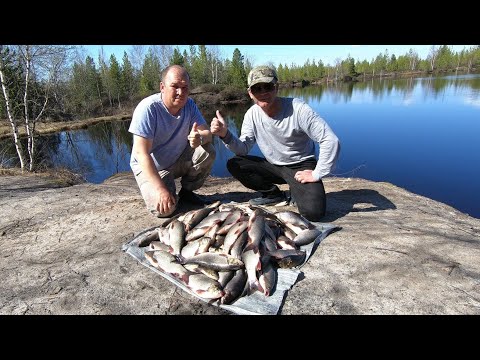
(175, 89)
(263, 94)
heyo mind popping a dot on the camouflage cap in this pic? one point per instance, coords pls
(262, 74)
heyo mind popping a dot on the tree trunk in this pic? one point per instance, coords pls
(13, 122)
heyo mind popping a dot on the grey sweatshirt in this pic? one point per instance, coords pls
(289, 137)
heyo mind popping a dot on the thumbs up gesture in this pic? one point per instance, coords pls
(194, 137)
(218, 125)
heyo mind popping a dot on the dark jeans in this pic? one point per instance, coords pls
(258, 174)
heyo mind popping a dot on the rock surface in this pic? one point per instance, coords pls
(396, 252)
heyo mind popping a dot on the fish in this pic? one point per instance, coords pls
(201, 284)
(176, 234)
(201, 270)
(287, 258)
(232, 218)
(146, 240)
(158, 245)
(251, 252)
(233, 234)
(225, 276)
(196, 216)
(251, 259)
(294, 221)
(306, 236)
(286, 243)
(167, 263)
(268, 277)
(255, 229)
(215, 261)
(196, 247)
(270, 240)
(237, 248)
(163, 235)
(234, 288)
(205, 287)
(225, 251)
(206, 225)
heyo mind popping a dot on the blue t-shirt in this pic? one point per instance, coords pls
(151, 120)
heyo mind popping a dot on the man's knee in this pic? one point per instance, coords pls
(313, 214)
(312, 211)
(233, 166)
(206, 157)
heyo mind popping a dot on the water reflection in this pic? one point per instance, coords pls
(417, 133)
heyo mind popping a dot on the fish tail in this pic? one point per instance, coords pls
(254, 285)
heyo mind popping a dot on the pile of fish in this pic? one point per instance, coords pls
(225, 251)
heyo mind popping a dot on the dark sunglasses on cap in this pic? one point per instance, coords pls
(262, 88)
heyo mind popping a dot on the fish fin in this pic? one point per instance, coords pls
(180, 258)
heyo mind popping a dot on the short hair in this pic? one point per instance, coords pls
(165, 71)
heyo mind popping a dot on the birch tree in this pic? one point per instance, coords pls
(40, 67)
(432, 56)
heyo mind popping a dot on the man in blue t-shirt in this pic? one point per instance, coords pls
(171, 139)
(285, 130)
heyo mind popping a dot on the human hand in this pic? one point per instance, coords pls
(194, 137)
(218, 125)
(166, 201)
(305, 176)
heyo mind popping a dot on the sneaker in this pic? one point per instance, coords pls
(191, 197)
(267, 200)
(290, 199)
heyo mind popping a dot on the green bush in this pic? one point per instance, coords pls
(211, 88)
(232, 93)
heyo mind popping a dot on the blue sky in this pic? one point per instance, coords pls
(288, 54)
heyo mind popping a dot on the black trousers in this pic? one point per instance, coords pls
(258, 174)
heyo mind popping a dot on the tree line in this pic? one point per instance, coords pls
(60, 82)
(439, 59)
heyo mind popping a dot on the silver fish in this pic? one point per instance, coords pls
(286, 243)
(215, 261)
(164, 235)
(306, 236)
(205, 286)
(168, 263)
(148, 238)
(287, 258)
(233, 234)
(219, 240)
(251, 252)
(201, 270)
(237, 248)
(294, 221)
(268, 277)
(158, 245)
(196, 247)
(225, 276)
(196, 216)
(206, 225)
(256, 229)
(232, 218)
(234, 288)
(289, 233)
(176, 233)
(251, 259)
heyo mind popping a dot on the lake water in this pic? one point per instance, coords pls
(421, 134)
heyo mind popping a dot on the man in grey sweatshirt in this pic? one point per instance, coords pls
(285, 130)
